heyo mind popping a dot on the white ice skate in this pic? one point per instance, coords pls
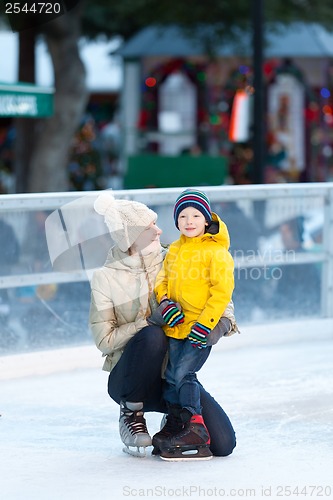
(133, 430)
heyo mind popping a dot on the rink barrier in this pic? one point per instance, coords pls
(289, 200)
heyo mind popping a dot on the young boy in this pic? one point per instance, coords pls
(195, 284)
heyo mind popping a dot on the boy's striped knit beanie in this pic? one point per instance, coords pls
(195, 199)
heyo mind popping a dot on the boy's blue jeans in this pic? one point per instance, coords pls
(182, 386)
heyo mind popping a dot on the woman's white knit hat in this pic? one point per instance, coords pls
(125, 219)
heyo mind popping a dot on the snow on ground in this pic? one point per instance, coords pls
(59, 428)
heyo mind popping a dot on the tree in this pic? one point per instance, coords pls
(49, 152)
(25, 127)
(48, 166)
(127, 17)
(42, 145)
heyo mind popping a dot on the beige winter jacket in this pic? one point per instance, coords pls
(122, 298)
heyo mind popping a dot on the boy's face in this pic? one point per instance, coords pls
(191, 222)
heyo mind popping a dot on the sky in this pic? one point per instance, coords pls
(59, 428)
(104, 72)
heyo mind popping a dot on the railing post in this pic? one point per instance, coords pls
(327, 267)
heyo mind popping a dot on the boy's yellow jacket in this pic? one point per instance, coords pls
(199, 274)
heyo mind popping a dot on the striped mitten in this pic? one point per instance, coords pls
(171, 314)
(198, 335)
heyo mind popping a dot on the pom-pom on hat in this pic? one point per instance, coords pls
(125, 219)
(195, 199)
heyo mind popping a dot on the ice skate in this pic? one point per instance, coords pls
(191, 443)
(171, 425)
(133, 430)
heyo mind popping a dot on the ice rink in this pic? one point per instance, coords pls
(59, 428)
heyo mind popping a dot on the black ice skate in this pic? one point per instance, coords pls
(133, 430)
(173, 424)
(190, 443)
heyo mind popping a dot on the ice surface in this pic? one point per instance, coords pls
(59, 428)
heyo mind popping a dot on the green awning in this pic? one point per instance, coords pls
(25, 100)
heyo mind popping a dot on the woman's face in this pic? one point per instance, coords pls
(148, 241)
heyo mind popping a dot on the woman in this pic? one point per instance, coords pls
(125, 319)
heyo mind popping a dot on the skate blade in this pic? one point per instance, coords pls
(135, 453)
(182, 455)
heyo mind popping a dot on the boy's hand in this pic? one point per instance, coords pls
(171, 314)
(198, 335)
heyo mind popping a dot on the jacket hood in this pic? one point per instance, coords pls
(216, 231)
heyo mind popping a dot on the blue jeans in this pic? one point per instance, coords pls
(137, 377)
(182, 386)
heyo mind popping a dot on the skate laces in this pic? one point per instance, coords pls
(135, 421)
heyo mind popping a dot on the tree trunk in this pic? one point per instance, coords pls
(24, 127)
(50, 157)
